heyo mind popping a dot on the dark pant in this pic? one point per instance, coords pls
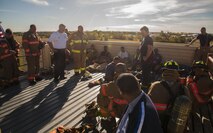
(33, 66)
(59, 62)
(146, 69)
(10, 68)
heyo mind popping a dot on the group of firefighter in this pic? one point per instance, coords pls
(175, 93)
(174, 96)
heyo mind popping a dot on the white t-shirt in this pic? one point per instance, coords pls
(123, 55)
(59, 40)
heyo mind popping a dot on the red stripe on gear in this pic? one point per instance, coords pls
(120, 101)
(103, 90)
(195, 92)
(160, 106)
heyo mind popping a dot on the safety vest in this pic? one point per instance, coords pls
(79, 43)
(31, 43)
(4, 49)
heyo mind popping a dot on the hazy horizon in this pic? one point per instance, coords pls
(108, 15)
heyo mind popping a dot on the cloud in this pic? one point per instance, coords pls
(95, 2)
(61, 8)
(189, 12)
(142, 7)
(37, 2)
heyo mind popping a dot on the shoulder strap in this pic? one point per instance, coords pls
(168, 88)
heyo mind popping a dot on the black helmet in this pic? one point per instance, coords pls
(199, 64)
(171, 65)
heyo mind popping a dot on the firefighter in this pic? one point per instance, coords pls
(31, 43)
(8, 62)
(200, 83)
(163, 93)
(115, 104)
(79, 42)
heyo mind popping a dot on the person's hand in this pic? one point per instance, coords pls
(12, 52)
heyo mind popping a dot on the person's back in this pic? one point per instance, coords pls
(141, 115)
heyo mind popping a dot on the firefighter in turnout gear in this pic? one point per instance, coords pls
(32, 44)
(109, 99)
(79, 41)
(200, 83)
(164, 93)
(8, 62)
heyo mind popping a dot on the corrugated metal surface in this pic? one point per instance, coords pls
(40, 108)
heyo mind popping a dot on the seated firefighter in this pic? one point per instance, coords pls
(124, 55)
(200, 83)
(92, 55)
(110, 69)
(113, 104)
(105, 56)
(102, 61)
(109, 73)
(166, 96)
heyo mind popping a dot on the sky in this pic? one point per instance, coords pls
(108, 15)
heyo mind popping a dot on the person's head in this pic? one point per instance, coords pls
(33, 28)
(116, 59)
(122, 49)
(105, 48)
(61, 28)
(8, 33)
(170, 71)
(128, 86)
(203, 30)
(120, 68)
(144, 31)
(80, 29)
(199, 68)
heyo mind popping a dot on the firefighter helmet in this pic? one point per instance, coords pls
(170, 65)
(199, 64)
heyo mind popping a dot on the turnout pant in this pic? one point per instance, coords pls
(59, 62)
(33, 66)
(79, 59)
(10, 68)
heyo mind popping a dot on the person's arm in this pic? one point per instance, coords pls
(192, 41)
(50, 42)
(149, 52)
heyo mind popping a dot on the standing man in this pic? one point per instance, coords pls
(79, 41)
(141, 115)
(58, 42)
(146, 50)
(205, 40)
(31, 43)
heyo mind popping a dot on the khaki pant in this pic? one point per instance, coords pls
(201, 54)
(79, 62)
(32, 66)
(10, 68)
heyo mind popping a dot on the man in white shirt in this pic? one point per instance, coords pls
(58, 43)
(123, 54)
